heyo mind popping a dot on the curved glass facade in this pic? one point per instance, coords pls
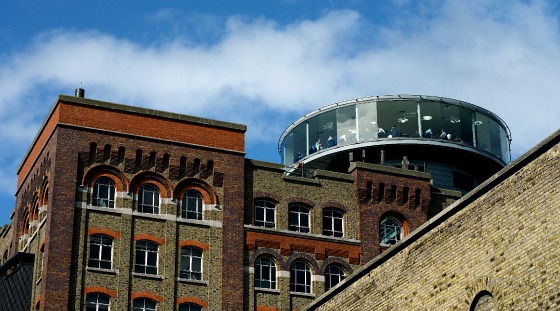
(396, 118)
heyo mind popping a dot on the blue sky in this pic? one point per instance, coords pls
(265, 63)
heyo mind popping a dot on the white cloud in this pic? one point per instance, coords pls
(265, 75)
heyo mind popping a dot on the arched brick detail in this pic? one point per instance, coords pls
(111, 172)
(148, 295)
(105, 231)
(305, 257)
(37, 304)
(335, 205)
(44, 191)
(196, 301)
(149, 237)
(267, 252)
(334, 260)
(100, 289)
(208, 194)
(163, 185)
(266, 308)
(266, 196)
(194, 243)
(301, 200)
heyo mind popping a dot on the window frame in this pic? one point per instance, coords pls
(151, 208)
(188, 306)
(272, 273)
(329, 275)
(102, 247)
(331, 220)
(186, 211)
(142, 247)
(383, 228)
(96, 304)
(300, 226)
(111, 191)
(267, 207)
(144, 307)
(295, 277)
(190, 274)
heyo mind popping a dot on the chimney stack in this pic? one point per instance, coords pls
(79, 92)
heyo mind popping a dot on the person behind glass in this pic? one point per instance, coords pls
(395, 132)
(298, 157)
(381, 133)
(443, 135)
(428, 133)
(318, 145)
(449, 136)
(331, 142)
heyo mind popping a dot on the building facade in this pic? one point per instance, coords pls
(126, 208)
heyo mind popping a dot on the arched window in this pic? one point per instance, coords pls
(100, 251)
(333, 224)
(103, 193)
(191, 205)
(390, 231)
(265, 273)
(298, 219)
(333, 275)
(300, 277)
(146, 257)
(191, 263)
(483, 301)
(143, 304)
(148, 199)
(189, 307)
(265, 214)
(97, 302)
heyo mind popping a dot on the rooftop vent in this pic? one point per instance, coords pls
(79, 92)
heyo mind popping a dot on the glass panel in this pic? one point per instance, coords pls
(346, 125)
(451, 121)
(495, 144)
(322, 128)
(430, 119)
(482, 130)
(367, 121)
(398, 118)
(505, 145)
(466, 126)
(299, 148)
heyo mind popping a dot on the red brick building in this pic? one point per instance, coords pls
(137, 209)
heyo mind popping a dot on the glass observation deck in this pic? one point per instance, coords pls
(401, 119)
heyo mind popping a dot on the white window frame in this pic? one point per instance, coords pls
(102, 247)
(154, 193)
(146, 252)
(301, 210)
(143, 307)
(267, 208)
(97, 305)
(272, 271)
(295, 281)
(108, 201)
(329, 220)
(199, 205)
(190, 257)
(328, 274)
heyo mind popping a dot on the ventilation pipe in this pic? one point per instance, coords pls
(79, 92)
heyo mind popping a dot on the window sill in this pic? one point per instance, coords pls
(200, 282)
(148, 276)
(108, 271)
(267, 290)
(309, 295)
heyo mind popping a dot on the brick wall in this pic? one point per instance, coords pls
(497, 242)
